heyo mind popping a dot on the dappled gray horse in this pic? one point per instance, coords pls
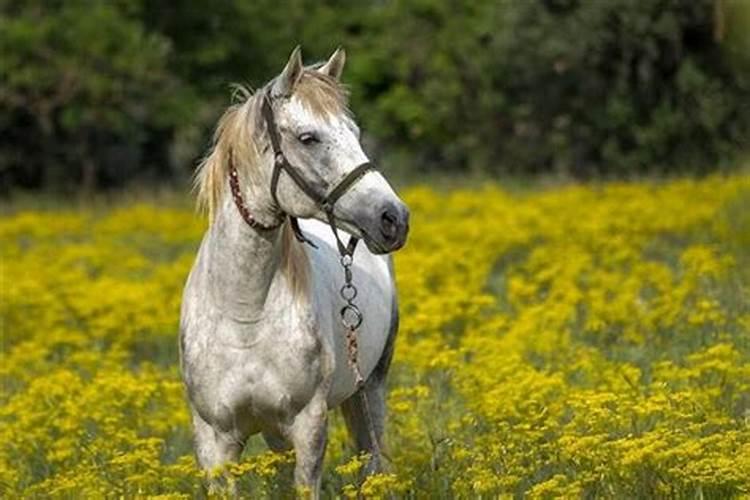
(263, 344)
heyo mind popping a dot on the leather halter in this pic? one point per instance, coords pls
(325, 202)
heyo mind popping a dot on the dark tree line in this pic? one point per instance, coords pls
(100, 93)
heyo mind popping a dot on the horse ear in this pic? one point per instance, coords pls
(335, 65)
(288, 78)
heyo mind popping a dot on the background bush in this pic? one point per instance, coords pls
(98, 93)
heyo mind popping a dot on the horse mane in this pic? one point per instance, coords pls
(238, 136)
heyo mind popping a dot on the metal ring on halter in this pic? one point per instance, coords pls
(348, 292)
(351, 316)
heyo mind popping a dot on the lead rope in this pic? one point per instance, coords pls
(352, 318)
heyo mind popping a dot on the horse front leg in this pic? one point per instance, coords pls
(309, 434)
(213, 449)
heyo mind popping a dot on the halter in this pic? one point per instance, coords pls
(325, 202)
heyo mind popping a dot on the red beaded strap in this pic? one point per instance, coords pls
(234, 185)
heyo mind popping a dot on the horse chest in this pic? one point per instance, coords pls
(269, 377)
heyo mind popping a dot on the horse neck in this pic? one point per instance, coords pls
(242, 263)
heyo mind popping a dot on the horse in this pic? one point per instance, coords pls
(270, 339)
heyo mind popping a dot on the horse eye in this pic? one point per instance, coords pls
(308, 138)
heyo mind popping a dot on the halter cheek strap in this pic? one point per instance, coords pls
(325, 202)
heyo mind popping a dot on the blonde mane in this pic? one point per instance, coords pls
(237, 137)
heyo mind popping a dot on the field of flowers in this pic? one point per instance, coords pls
(557, 343)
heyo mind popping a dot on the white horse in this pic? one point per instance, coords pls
(262, 344)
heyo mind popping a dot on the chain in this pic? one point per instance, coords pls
(351, 317)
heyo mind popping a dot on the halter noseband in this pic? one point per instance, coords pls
(325, 202)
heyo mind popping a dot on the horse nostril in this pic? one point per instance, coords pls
(389, 223)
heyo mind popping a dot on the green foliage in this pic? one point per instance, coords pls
(104, 91)
(79, 77)
(581, 87)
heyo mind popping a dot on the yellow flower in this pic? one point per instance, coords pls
(578, 341)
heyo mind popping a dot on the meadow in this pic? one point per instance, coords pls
(563, 342)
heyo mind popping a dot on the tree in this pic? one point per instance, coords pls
(80, 80)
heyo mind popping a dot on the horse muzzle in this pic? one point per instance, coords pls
(387, 228)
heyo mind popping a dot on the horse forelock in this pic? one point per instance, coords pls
(323, 95)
